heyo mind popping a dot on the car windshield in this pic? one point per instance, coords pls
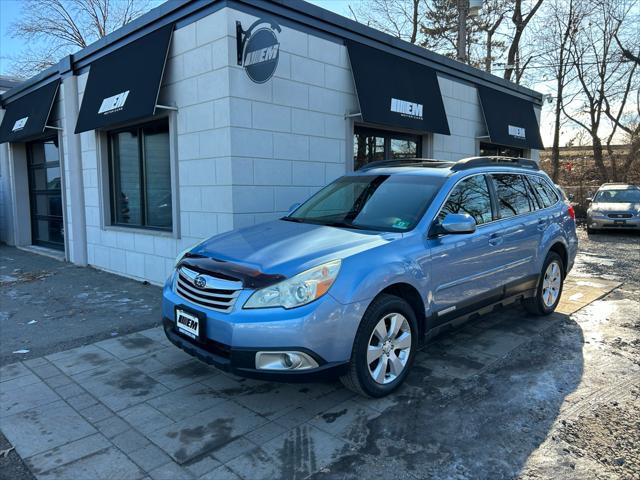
(618, 196)
(370, 202)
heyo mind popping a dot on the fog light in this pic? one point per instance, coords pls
(284, 361)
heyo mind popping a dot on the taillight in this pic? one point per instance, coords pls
(571, 212)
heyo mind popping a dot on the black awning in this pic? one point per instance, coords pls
(27, 116)
(396, 92)
(511, 121)
(123, 86)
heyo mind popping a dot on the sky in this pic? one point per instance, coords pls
(10, 10)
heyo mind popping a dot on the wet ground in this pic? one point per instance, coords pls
(47, 306)
(509, 396)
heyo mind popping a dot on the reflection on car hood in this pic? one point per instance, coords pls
(288, 248)
(615, 207)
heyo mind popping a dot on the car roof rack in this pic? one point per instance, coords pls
(474, 162)
(407, 162)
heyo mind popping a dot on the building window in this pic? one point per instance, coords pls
(140, 176)
(370, 145)
(494, 150)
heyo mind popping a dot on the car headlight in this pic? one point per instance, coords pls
(297, 291)
(596, 212)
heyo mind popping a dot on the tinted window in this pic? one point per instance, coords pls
(513, 198)
(470, 196)
(546, 193)
(141, 176)
(377, 202)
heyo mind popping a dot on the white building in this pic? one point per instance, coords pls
(204, 116)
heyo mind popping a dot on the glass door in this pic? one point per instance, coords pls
(45, 193)
(370, 145)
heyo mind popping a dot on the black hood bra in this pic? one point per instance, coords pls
(249, 277)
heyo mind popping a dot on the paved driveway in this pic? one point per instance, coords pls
(482, 402)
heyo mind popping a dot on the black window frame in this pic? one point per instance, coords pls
(114, 175)
(387, 136)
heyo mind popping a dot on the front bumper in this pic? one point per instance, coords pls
(603, 222)
(324, 329)
(241, 361)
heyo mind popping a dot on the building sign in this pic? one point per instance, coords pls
(517, 132)
(114, 103)
(258, 49)
(407, 109)
(19, 125)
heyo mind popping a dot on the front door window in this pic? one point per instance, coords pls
(45, 193)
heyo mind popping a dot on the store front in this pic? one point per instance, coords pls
(201, 117)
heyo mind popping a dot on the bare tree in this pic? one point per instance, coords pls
(59, 27)
(400, 18)
(602, 77)
(520, 21)
(492, 15)
(558, 23)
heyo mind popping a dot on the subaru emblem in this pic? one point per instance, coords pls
(200, 281)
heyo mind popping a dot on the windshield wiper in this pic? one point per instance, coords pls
(344, 225)
(293, 219)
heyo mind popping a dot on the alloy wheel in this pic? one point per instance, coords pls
(389, 348)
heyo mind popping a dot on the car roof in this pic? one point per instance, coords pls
(618, 186)
(445, 168)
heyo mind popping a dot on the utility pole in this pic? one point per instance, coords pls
(463, 11)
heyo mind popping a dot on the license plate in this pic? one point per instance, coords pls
(188, 324)
(619, 222)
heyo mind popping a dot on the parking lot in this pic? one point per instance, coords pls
(506, 396)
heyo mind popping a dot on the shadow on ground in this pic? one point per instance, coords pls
(482, 426)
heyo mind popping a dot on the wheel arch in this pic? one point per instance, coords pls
(412, 296)
(561, 249)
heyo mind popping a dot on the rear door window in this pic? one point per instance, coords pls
(513, 198)
(470, 196)
(546, 193)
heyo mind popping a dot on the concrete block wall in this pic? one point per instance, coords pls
(289, 135)
(465, 121)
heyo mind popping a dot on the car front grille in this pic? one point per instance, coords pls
(619, 215)
(206, 290)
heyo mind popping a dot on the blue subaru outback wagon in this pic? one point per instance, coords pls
(354, 280)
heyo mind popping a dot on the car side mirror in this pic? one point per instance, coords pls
(293, 207)
(457, 223)
(589, 199)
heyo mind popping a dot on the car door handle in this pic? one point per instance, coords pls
(495, 239)
(542, 223)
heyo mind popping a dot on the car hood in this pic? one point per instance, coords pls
(287, 248)
(615, 207)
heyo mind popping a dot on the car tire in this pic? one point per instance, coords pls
(383, 332)
(549, 289)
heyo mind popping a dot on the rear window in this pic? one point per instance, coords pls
(546, 193)
(513, 198)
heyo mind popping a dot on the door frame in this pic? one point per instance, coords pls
(26, 155)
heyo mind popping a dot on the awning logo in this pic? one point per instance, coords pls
(259, 50)
(517, 132)
(114, 103)
(20, 124)
(407, 109)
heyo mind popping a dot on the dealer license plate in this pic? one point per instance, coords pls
(188, 324)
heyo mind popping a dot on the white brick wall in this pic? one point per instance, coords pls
(465, 121)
